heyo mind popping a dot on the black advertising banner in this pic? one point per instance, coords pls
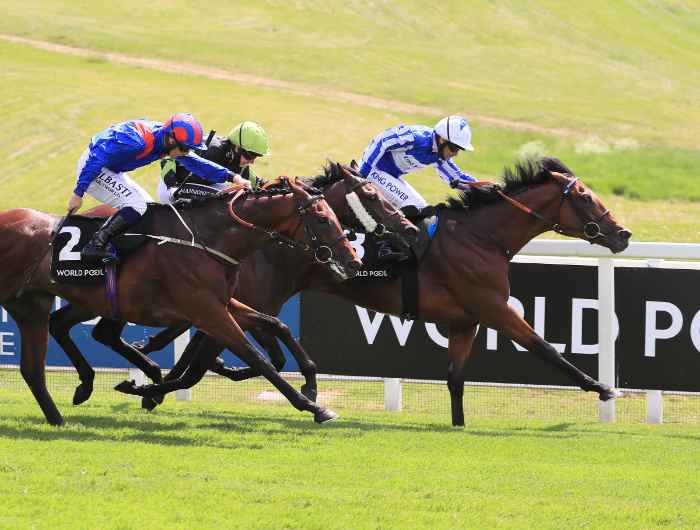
(658, 345)
(659, 312)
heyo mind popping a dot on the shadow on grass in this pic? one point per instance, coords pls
(205, 428)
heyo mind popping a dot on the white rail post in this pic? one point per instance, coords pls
(181, 342)
(606, 334)
(655, 399)
(655, 406)
(392, 394)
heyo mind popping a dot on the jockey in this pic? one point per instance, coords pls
(407, 148)
(126, 146)
(246, 142)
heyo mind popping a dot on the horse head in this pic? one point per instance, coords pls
(359, 206)
(582, 214)
(323, 232)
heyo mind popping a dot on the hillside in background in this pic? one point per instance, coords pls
(611, 88)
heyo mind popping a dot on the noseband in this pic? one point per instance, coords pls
(590, 229)
(361, 213)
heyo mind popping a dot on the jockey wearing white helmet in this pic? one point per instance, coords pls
(406, 148)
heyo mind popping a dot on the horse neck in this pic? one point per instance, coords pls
(509, 227)
(215, 227)
(334, 194)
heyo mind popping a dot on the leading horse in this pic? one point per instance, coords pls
(171, 280)
(463, 278)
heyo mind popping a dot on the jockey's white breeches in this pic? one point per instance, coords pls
(165, 194)
(116, 189)
(399, 192)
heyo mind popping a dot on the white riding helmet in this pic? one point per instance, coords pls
(456, 130)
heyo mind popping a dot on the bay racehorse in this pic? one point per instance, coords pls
(173, 283)
(358, 206)
(463, 278)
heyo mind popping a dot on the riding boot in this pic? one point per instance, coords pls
(99, 247)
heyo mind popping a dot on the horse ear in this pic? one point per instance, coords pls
(353, 165)
(559, 177)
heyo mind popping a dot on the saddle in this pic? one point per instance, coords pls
(373, 269)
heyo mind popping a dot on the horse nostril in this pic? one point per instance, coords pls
(624, 234)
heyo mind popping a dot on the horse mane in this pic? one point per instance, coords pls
(332, 173)
(523, 175)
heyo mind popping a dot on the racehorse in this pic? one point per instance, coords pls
(357, 205)
(174, 281)
(463, 278)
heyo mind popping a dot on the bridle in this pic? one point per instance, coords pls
(590, 229)
(368, 223)
(322, 253)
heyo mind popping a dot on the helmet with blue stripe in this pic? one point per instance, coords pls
(186, 131)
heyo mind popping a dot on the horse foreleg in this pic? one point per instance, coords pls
(514, 326)
(31, 314)
(249, 318)
(60, 323)
(280, 330)
(459, 350)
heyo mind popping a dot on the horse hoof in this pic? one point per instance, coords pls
(127, 387)
(610, 393)
(158, 399)
(82, 393)
(148, 403)
(323, 415)
(309, 392)
(57, 422)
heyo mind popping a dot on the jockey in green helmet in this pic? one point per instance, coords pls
(246, 142)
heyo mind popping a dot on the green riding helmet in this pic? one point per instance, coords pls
(251, 137)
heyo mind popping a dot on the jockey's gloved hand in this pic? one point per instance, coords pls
(487, 186)
(483, 185)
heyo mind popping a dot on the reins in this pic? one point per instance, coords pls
(590, 230)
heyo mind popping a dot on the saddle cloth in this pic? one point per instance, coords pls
(67, 265)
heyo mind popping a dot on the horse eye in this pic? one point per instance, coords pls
(588, 199)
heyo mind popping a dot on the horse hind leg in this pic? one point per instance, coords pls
(60, 324)
(31, 313)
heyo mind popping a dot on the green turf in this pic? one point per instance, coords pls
(208, 464)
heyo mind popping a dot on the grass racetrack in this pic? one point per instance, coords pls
(215, 464)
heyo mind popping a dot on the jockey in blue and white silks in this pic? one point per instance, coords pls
(406, 148)
(126, 146)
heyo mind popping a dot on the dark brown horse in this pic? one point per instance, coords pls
(463, 278)
(358, 206)
(171, 283)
